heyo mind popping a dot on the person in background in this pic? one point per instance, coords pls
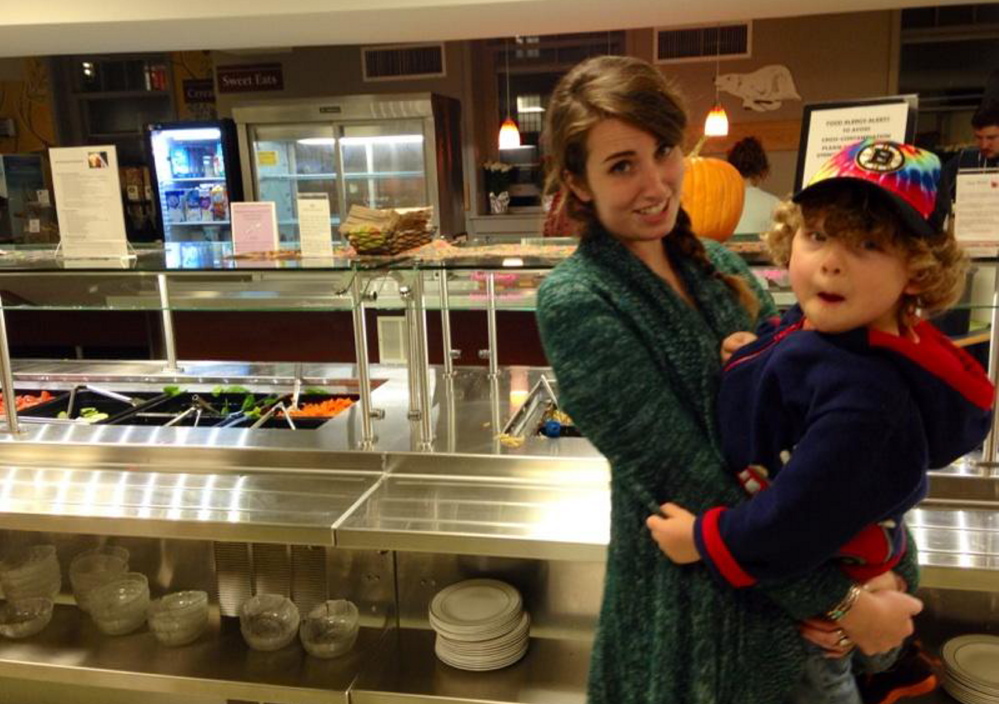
(748, 156)
(557, 222)
(632, 323)
(984, 155)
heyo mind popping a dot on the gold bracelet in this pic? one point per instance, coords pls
(841, 609)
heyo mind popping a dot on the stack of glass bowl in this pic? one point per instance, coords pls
(92, 568)
(25, 617)
(32, 572)
(330, 629)
(179, 618)
(268, 621)
(119, 606)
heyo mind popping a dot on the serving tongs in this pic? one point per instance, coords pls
(197, 407)
(296, 391)
(114, 395)
(181, 416)
(528, 412)
(274, 409)
(197, 400)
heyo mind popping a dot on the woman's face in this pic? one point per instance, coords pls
(633, 180)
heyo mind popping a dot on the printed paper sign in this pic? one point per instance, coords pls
(831, 130)
(254, 227)
(315, 233)
(828, 127)
(267, 158)
(88, 202)
(976, 210)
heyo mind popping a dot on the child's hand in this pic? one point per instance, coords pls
(733, 342)
(675, 534)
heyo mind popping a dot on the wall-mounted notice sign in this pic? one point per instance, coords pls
(88, 202)
(254, 227)
(976, 210)
(828, 127)
(314, 231)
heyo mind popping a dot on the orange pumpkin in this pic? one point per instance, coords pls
(713, 194)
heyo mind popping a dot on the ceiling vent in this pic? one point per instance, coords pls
(730, 41)
(404, 62)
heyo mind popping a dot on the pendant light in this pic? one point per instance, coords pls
(716, 123)
(509, 134)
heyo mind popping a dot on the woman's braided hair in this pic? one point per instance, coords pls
(633, 91)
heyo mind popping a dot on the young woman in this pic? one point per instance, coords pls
(632, 324)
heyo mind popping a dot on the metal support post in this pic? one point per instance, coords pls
(412, 354)
(493, 352)
(361, 353)
(167, 316)
(7, 378)
(989, 448)
(495, 425)
(449, 353)
(450, 409)
(423, 360)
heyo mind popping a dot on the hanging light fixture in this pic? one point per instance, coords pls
(716, 123)
(509, 134)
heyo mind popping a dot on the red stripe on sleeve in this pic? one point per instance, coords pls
(727, 565)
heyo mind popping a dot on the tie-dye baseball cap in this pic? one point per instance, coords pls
(905, 174)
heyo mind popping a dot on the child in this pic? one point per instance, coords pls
(831, 417)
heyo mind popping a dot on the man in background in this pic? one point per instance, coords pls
(985, 155)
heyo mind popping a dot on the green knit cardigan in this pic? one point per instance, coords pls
(638, 371)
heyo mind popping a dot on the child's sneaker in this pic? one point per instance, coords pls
(911, 676)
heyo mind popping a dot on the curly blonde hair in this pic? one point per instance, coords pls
(938, 264)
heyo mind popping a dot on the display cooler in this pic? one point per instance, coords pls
(391, 151)
(195, 169)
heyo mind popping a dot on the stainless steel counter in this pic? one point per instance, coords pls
(473, 501)
(472, 493)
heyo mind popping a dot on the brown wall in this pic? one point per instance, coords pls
(831, 57)
(310, 72)
(24, 97)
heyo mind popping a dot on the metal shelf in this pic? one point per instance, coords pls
(480, 517)
(297, 177)
(72, 651)
(406, 671)
(195, 179)
(170, 223)
(257, 507)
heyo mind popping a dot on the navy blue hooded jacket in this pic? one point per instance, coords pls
(839, 430)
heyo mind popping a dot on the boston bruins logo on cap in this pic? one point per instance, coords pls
(882, 157)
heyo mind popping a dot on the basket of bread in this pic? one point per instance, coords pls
(372, 231)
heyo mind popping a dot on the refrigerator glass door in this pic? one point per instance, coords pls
(384, 164)
(191, 183)
(289, 160)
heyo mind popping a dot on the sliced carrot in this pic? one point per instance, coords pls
(324, 409)
(23, 401)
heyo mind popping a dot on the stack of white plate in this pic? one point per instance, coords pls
(481, 625)
(972, 674)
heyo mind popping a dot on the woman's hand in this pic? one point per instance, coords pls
(827, 635)
(733, 342)
(675, 533)
(892, 610)
(880, 621)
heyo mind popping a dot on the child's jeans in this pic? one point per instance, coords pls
(832, 680)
